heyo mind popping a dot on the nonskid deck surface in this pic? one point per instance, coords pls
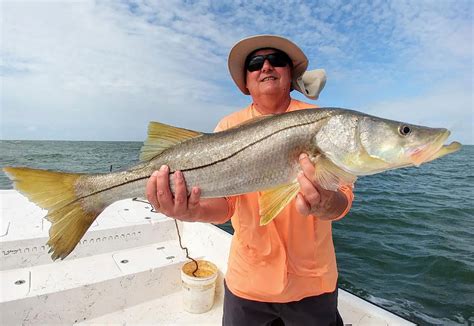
(125, 270)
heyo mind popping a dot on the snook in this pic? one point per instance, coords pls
(260, 155)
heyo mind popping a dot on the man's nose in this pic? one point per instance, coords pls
(267, 65)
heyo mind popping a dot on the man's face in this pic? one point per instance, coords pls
(268, 80)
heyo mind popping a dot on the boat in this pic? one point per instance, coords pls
(125, 270)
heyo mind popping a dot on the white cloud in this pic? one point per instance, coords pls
(102, 70)
(69, 64)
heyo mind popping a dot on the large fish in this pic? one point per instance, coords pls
(259, 155)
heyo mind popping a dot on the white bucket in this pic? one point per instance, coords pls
(198, 291)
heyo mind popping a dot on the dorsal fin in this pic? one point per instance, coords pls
(162, 136)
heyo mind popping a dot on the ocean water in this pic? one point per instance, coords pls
(406, 245)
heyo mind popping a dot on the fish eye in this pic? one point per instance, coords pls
(404, 130)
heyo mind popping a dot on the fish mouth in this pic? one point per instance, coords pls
(445, 150)
(433, 150)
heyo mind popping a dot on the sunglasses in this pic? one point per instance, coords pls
(277, 59)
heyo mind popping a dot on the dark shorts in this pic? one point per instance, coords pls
(317, 310)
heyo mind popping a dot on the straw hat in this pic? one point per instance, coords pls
(308, 83)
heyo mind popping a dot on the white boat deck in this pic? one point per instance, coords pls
(126, 270)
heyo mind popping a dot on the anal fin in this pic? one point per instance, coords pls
(273, 201)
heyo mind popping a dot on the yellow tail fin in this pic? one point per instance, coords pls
(55, 192)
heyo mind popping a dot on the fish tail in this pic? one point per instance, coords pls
(69, 214)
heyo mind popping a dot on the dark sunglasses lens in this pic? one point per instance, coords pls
(277, 60)
(255, 63)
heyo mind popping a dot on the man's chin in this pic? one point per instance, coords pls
(270, 88)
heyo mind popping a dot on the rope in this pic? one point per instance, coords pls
(177, 231)
(186, 249)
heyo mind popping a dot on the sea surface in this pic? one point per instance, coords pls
(406, 245)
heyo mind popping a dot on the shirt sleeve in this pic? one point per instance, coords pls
(349, 192)
(231, 201)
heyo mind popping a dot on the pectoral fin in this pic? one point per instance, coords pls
(161, 137)
(330, 176)
(272, 201)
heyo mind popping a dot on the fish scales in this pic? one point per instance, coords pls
(248, 165)
(247, 158)
(262, 165)
(214, 147)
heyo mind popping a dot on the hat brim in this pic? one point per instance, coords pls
(243, 48)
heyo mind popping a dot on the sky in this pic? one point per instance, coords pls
(101, 70)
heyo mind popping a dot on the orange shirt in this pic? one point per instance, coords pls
(286, 260)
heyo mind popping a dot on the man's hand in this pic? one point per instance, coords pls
(178, 206)
(315, 200)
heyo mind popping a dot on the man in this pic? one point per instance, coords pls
(285, 271)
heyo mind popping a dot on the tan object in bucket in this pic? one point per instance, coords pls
(199, 290)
